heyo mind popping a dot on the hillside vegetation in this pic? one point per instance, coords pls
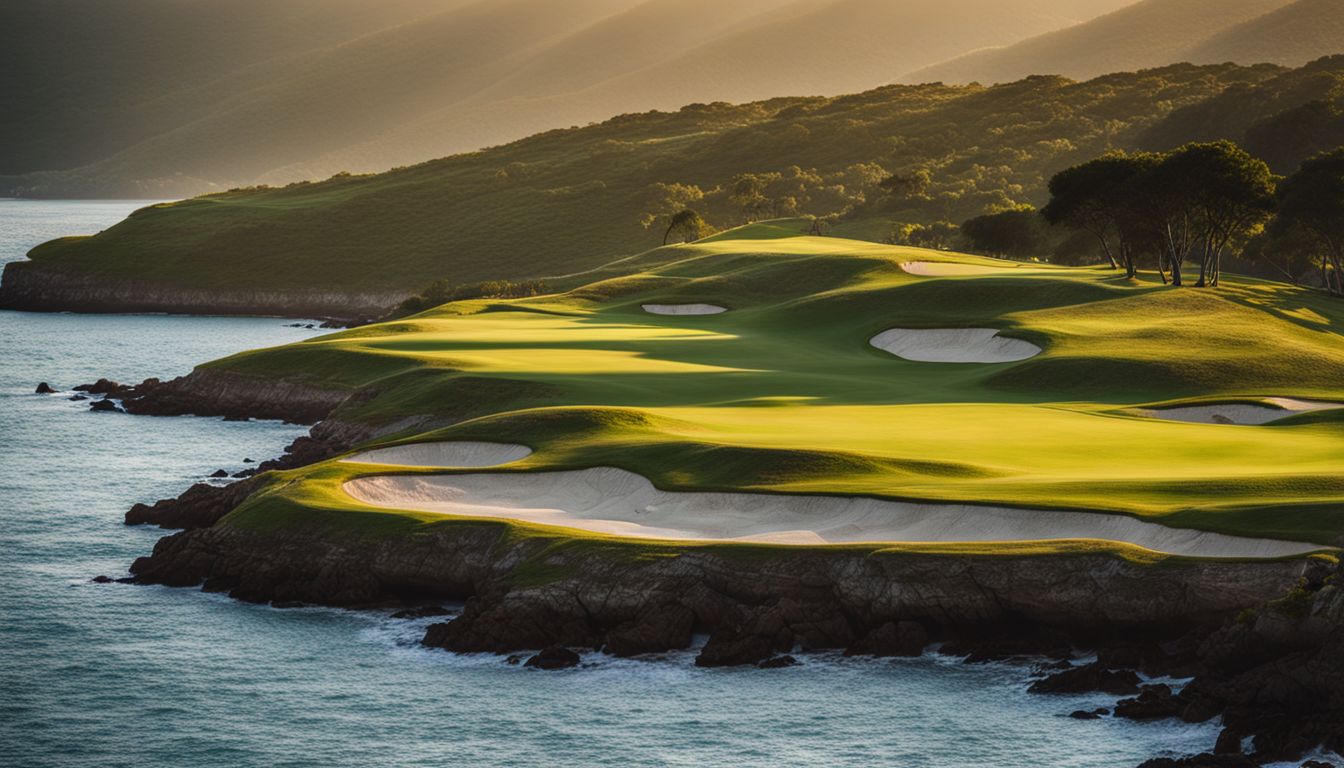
(571, 200)
(177, 97)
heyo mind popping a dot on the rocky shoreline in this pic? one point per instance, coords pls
(32, 287)
(1263, 641)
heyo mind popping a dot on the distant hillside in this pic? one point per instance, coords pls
(1292, 36)
(169, 97)
(1150, 33)
(565, 201)
(1283, 120)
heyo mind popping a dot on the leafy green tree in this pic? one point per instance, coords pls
(1233, 195)
(1313, 199)
(1096, 197)
(1018, 233)
(687, 225)
(901, 187)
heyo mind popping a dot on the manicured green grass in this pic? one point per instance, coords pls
(783, 393)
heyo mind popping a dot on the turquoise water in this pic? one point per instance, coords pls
(113, 675)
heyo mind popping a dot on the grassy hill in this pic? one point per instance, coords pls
(1149, 33)
(783, 393)
(186, 97)
(1292, 36)
(566, 201)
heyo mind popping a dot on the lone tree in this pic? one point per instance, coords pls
(1313, 199)
(687, 225)
(1095, 197)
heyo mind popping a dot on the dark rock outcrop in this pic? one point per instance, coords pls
(554, 657)
(422, 612)
(1087, 679)
(201, 506)
(43, 388)
(905, 638)
(105, 406)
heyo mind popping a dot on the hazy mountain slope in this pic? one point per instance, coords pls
(487, 71)
(1292, 36)
(805, 46)
(1150, 33)
(83, 78)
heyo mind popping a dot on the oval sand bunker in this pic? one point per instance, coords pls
(1246, 414)
(951, 269)
(953, 345)
(614, 501)
(447, 454)
(684, 309)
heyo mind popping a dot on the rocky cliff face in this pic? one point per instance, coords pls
(33, 287)
(528, 594)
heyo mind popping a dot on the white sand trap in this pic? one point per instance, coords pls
(684, 309)
(954, 345)
(952, 269)
(1248, 414)
(614, 501)
(449, 454)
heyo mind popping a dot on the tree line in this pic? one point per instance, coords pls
(1195, 203)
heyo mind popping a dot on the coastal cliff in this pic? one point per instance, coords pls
(34, 287)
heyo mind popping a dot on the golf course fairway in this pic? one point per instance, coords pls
(785, 402)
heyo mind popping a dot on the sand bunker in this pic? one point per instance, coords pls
(450, 454)
(952, 269)
(684, 309)
(1248, 414)
(954, 345)
(614, 501)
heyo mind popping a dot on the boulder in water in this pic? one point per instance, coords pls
(43, 388)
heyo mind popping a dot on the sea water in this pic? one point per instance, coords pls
(125, 675)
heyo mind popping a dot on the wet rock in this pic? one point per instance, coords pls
(104, 387)
(105, 406)
(657, 628)
(1154, 702)
(44, 388)
(200, 506)
(515, 659)
(79, 398)
(1001, 642)
(1090, 714)
(778, 662)
(1229, 743)
(1201, 761)
(555, 657)
(756, 636)
(219, 473)
(1087, 679)
(243, 474)
(102, 580)
(248, 461)
(892, 639)
(422, 612)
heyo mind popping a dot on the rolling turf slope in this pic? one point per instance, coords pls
(785, 394)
